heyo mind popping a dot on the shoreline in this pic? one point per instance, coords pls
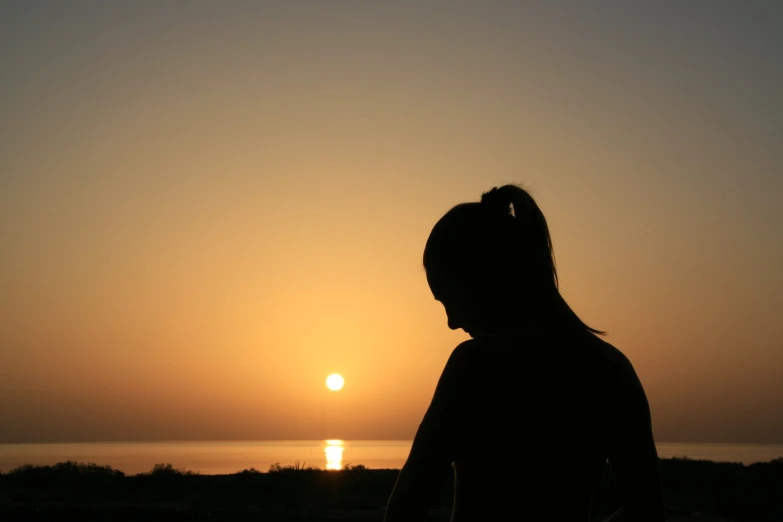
(93, 467)
(220, 457)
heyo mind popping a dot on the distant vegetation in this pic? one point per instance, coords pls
(753, 492)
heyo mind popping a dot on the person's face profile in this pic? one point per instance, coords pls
(454, 298)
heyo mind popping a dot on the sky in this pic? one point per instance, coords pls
(208, 207)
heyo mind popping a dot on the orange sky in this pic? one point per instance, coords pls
(205, 211)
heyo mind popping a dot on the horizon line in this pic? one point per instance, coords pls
(374, 441)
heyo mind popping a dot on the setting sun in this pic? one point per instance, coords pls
(335, 382)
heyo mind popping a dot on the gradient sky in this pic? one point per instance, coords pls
(207, 207)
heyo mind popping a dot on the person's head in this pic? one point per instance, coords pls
(491, 265)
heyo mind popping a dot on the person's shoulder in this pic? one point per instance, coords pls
(608, 352)
(468, 355)
(611, 362)
(621, 374)
(457, 367)
(465, 351)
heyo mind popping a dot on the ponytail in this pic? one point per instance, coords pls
(516, 208)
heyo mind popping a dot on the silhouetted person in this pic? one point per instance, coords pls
(533, 382)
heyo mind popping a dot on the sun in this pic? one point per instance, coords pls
(335, 382)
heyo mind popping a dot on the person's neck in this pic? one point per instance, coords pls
(514, 324)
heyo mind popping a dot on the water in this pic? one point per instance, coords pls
(215, 458)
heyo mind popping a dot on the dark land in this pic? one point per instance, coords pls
(695, 490)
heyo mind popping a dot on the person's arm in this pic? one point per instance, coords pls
(632, 453)
(432, 452)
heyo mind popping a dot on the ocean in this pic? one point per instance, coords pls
(215, 458)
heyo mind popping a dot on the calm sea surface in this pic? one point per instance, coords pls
(229, 457)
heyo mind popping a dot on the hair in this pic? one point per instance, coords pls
(501, 248)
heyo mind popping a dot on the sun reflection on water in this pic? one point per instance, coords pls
(334, 454)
